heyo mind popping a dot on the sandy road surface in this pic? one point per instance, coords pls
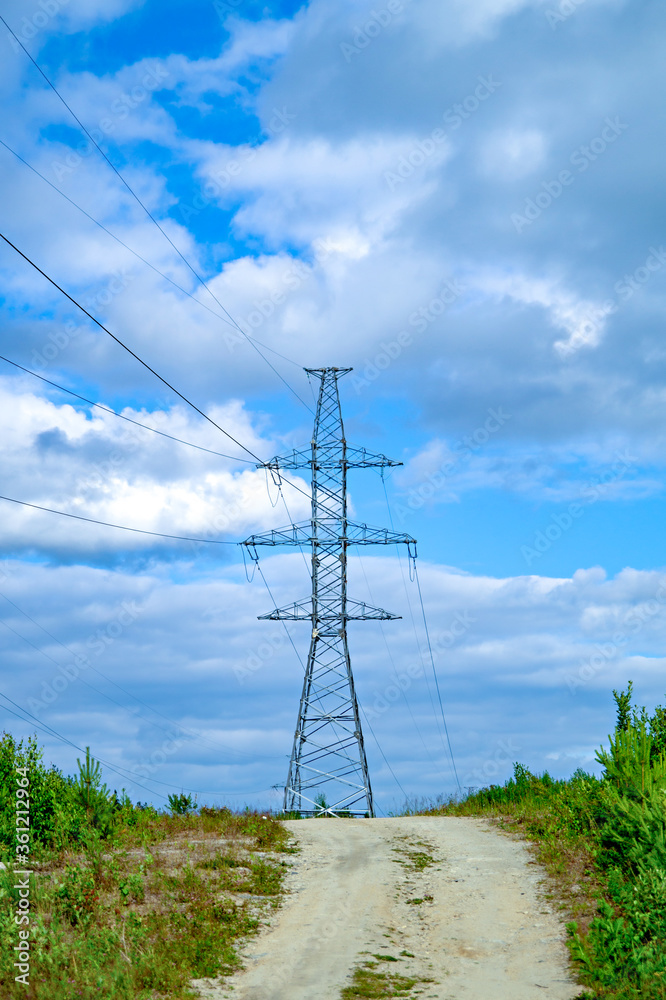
(486, 934)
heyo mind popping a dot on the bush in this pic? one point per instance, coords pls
(77, 894)
(55, 819)
(182, 805)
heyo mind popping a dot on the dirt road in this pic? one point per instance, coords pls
(454, 901)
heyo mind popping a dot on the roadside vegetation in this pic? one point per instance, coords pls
(371, 980)
(126, 902)
(604, 842)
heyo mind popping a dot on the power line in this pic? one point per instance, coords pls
(139, 257)
(395, 777)
(121, 527)
(204, 741)
(149, 213)
(137, 423)
(393, 663)
(144, 363)
(411, 615)
(434, 673)
(125, 347)
(288, 633)
(122, 772)
(44, 728)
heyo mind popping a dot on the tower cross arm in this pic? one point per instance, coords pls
(330, 531)
(353, 611)
(294, 534)
(364, 534)
(351, 458)
(361, 458)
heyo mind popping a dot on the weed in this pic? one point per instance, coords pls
(76, 896)
(367, 983)
(135, 907)
(416, 861)
(604, 842)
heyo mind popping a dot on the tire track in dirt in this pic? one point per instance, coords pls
(458, 898)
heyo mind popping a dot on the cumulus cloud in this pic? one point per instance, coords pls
(523, 663)
(100, 467)
(347, 206)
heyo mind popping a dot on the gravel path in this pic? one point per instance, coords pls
(458, 895)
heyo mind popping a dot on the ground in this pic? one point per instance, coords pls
(424, 907)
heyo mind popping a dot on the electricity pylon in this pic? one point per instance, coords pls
(328, 757)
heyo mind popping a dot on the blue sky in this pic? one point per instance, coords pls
(464, 202)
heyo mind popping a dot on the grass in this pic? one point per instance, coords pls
(368, 983)
(138, 915)
(414, 860)
(603, 843)
(553, 817)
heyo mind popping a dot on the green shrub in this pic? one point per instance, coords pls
(91, 795)
(182, 805)
(54, 817)
(76, 894)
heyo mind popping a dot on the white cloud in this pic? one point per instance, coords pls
(582, 319)
(32, 21)
(295, 190)
(101, 467)
(523, 662)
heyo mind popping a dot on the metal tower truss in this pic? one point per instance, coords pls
(328, 762)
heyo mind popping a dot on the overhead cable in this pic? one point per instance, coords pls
(197, 737)
(413, 621)
(122, 772)
(149, 213)
(142, 362)
(395, 777)
(121, 527)
(125, 347)
(137, 423)
(434, 672)
(138, 255)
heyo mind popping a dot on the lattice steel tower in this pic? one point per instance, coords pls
(328, 755)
